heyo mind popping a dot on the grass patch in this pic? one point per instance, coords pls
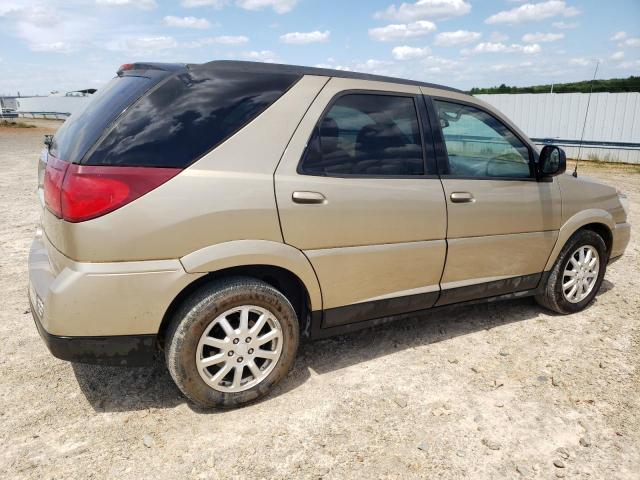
(600, 164)
(8, 124)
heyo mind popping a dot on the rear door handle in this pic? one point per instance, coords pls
(308, 198)
(462, 197)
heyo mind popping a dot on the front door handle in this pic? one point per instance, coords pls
(308, 198)
(462, 197)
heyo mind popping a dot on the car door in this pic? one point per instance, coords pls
(503, 222)
(358, 193)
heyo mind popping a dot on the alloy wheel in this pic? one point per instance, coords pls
(580, 274)
(239, 348)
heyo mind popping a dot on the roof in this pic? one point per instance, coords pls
(258, 67)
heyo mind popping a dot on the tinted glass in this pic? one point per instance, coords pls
(187, 116)
(82, 129)
(365, 134)
(479, 145)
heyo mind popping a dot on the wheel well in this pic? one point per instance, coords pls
(602, 230)
(281, 279)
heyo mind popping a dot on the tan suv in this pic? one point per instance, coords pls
(219, 212)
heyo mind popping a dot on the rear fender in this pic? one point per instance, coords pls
(239, 253)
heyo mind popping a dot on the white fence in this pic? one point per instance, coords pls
(612, 131)
(53, 106)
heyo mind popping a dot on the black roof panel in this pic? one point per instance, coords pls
(258, 67)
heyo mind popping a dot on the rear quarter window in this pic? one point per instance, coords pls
(188, 115)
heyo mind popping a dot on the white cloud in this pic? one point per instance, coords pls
(231, 39)
(377, 67)
(48, 29)
(617, 55)
(301, 38)
(203, 3)
(629, 65)
(531, 12)
(580, 61)
(490, 47)
(403, 30)
(528, 49)
(261, 56)
(373, 63)
(565, 25)
(142, 45)
(279, 6)
(333, 67)
(435, 64)
(55, 47)
(542, 37)
(616, 37)
(410, 53)
(186, 22)
(432, 9)
(8, 8)
(498, 37)
(459, 37)
(222, 40)
(631, 42)
(141, 4)
(625, 40)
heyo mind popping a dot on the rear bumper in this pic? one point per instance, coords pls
(105, 313)
(129, 350)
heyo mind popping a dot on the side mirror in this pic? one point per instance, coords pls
(553, 161)
(48, 140)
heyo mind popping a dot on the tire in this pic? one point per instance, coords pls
(187, 347)
(553, 297)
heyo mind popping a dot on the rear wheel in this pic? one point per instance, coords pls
(577, 275)
(231, 342)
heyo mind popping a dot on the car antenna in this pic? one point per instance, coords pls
(575, 170)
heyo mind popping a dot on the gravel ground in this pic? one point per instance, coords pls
(503, 390)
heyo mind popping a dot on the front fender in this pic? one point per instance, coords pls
(239, 253)
(573, 224)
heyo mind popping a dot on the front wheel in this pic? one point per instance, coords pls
(577, 275)
(231, 342)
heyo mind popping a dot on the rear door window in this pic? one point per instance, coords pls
(366, 135)
(187, 116)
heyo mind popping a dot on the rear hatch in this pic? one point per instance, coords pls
(141, 130)
(68, 150)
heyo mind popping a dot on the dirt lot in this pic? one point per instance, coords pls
(503, 390)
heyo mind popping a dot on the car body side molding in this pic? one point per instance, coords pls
(403, 308)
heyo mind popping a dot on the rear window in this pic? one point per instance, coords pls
(367, 134)
(187, 116)
(84, 127)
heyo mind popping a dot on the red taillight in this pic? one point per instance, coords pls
(53, 177)
(83, 192)
(91, 191)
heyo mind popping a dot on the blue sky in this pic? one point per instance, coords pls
(71, 44)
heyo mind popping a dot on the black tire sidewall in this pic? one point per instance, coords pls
(582, 238)
(203, 308)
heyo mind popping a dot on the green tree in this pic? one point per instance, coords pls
(613, 85)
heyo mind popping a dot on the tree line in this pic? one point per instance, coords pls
(614, 85)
